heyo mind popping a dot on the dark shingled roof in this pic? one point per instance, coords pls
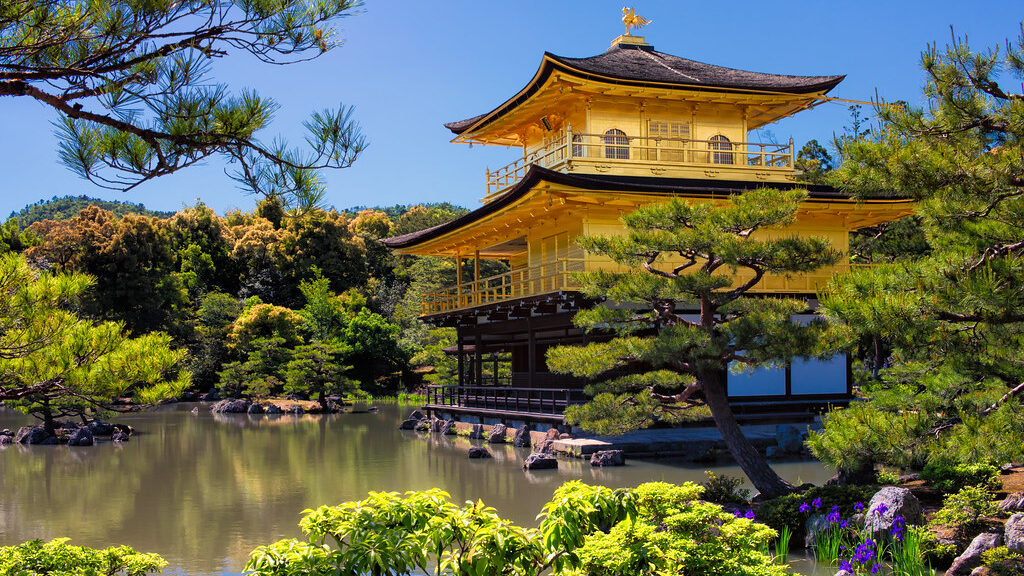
(601, 182)
(643, 65)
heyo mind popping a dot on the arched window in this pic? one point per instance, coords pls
(577, 146)
(716, 145)
(616, 144)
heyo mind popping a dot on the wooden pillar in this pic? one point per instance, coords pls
(478, 364)
(531, 355)
(458, 279)
(495, 357)
(461, 355)
(477, 289)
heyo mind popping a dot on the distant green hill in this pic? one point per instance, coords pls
(65, 207)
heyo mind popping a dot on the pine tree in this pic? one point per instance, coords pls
(130, 81)
(954, 315)
(723, 257)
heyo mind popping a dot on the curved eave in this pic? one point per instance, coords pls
(629, 184)
(551, 63)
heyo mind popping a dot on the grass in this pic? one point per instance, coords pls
(827, 544)
(906, 555)
(401, 399)
(782, 545)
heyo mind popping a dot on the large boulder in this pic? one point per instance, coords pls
(789, 438)
(31, 435)
(479, 452)
(447, 427)
(497, 435)
(273, 409)
(522, 438)
(477, 432)
(417, 415)
(1014, 535)
(608, 458)
(549, 439)
(422, 425)
(408, 424)
(887, 504)
(540, 461)
(1013, 503)
(6, 439)
(255, 408)
(239, 406)
(81, 437)
(119, 436)
(101, 428)
(965, 563)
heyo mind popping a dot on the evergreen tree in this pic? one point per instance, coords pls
(53, 363)
(318, 370)
(723, 257)
(954, 315)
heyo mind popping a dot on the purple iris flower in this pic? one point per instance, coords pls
(844, 525)
(875, 568)
(736, 514)
(804, 508)
(858, 507)
(749, 515)
(880, 510)
(845, 565)
(816, 503)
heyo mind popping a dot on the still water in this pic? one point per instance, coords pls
(204, 490)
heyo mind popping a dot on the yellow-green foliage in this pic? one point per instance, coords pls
(58, 558)
(1001, 562)
(265, 321)
(655, 528)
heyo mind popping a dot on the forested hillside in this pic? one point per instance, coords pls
(256, 299)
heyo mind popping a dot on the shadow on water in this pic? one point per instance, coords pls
(204, 490)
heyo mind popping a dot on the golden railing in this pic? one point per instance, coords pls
(641, 150)
(519, 283)
(559, 275)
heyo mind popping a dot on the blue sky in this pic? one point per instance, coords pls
(409, 66)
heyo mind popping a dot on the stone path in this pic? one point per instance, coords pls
(686, 442)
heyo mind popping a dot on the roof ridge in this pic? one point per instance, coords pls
(667, 67)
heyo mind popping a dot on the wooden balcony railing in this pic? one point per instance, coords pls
(504, 399)
(519, 283)
(654, 152)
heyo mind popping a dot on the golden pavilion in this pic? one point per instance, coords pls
(600, 136)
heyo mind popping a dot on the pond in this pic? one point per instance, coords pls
(204, 490)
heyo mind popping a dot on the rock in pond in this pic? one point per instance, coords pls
(231, 407)
(31, 435)
(887, 504)
(101, 428)
(479, 452)
(608, 458)
(417, 415)
(255, 408)
(408, 424)
(477, 433)
(521, 439)
(540, 461)
(971, 557)
(497, 435)
(81, 437)
(119, 436)
(194, 411)
(447, 427)
(1014, 534)
(6, 439)
(273, 409)
(423, 425)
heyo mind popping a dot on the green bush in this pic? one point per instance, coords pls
(57, 558)
(952, 478)
(785, 510)
(964, 510)
(725, 489)
(1001, 562)
(655, 528)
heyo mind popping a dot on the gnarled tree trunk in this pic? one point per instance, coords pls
(753, 463)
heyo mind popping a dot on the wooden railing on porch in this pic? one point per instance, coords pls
(519, 283)
(505, 399)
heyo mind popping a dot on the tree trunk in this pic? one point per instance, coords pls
(322, 399)
(752, 462)
(48, 424)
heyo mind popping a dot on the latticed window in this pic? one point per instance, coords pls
(577, 145)
(716, 145)
(668, 139)
(616, 144)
